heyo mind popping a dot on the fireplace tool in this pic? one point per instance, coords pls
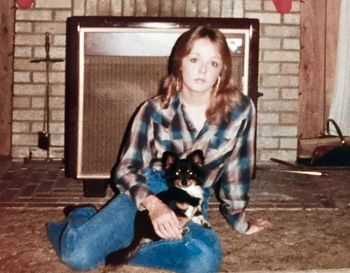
(44, 135)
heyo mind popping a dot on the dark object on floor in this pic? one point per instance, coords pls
(95, 187)
(296, 169)
(43, 140)
(332, 155)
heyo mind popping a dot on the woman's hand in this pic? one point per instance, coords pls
(164, 220)
(257, 225)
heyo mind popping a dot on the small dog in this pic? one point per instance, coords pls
(184, 196)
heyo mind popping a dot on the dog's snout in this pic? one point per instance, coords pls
(184, 181)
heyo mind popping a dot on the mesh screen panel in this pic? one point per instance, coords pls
(113, 88)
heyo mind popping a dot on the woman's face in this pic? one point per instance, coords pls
(201, 67)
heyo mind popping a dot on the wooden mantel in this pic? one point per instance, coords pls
(7, 15)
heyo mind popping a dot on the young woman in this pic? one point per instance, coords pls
(199, 108)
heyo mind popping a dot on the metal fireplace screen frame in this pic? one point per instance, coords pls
(115, 63)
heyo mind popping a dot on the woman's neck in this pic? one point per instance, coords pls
(195, 107)
(195, 100)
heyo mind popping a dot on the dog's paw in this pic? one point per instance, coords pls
(206, 224)
(200, 220)
(185, 230)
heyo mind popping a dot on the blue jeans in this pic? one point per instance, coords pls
(84, 238)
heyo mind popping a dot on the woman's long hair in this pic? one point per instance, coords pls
(225, 94)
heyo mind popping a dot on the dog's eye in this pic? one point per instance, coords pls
(189, 172)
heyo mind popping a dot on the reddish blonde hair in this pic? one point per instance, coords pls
(225, 94)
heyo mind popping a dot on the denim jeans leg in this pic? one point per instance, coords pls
(85, 241)
(54, 233)
(198, 251)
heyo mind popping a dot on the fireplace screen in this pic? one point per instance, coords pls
(114, 65)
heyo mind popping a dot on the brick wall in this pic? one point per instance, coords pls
(278, 68)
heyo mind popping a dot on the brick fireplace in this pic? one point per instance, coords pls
(278, 66)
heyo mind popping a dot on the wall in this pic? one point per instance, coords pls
(278, 68)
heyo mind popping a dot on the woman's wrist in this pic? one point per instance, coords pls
(150, 202)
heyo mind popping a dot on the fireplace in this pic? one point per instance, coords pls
(115, 63)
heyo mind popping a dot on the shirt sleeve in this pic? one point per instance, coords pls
(237, 173)
(136, 156)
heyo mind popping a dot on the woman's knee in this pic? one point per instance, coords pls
(84, 247)
(81, 260)
(204, 254)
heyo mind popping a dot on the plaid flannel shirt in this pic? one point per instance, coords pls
(228, 149)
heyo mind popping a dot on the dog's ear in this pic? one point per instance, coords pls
(168, 160)
(197, 157)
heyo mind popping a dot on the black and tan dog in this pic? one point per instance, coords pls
(184, 196)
